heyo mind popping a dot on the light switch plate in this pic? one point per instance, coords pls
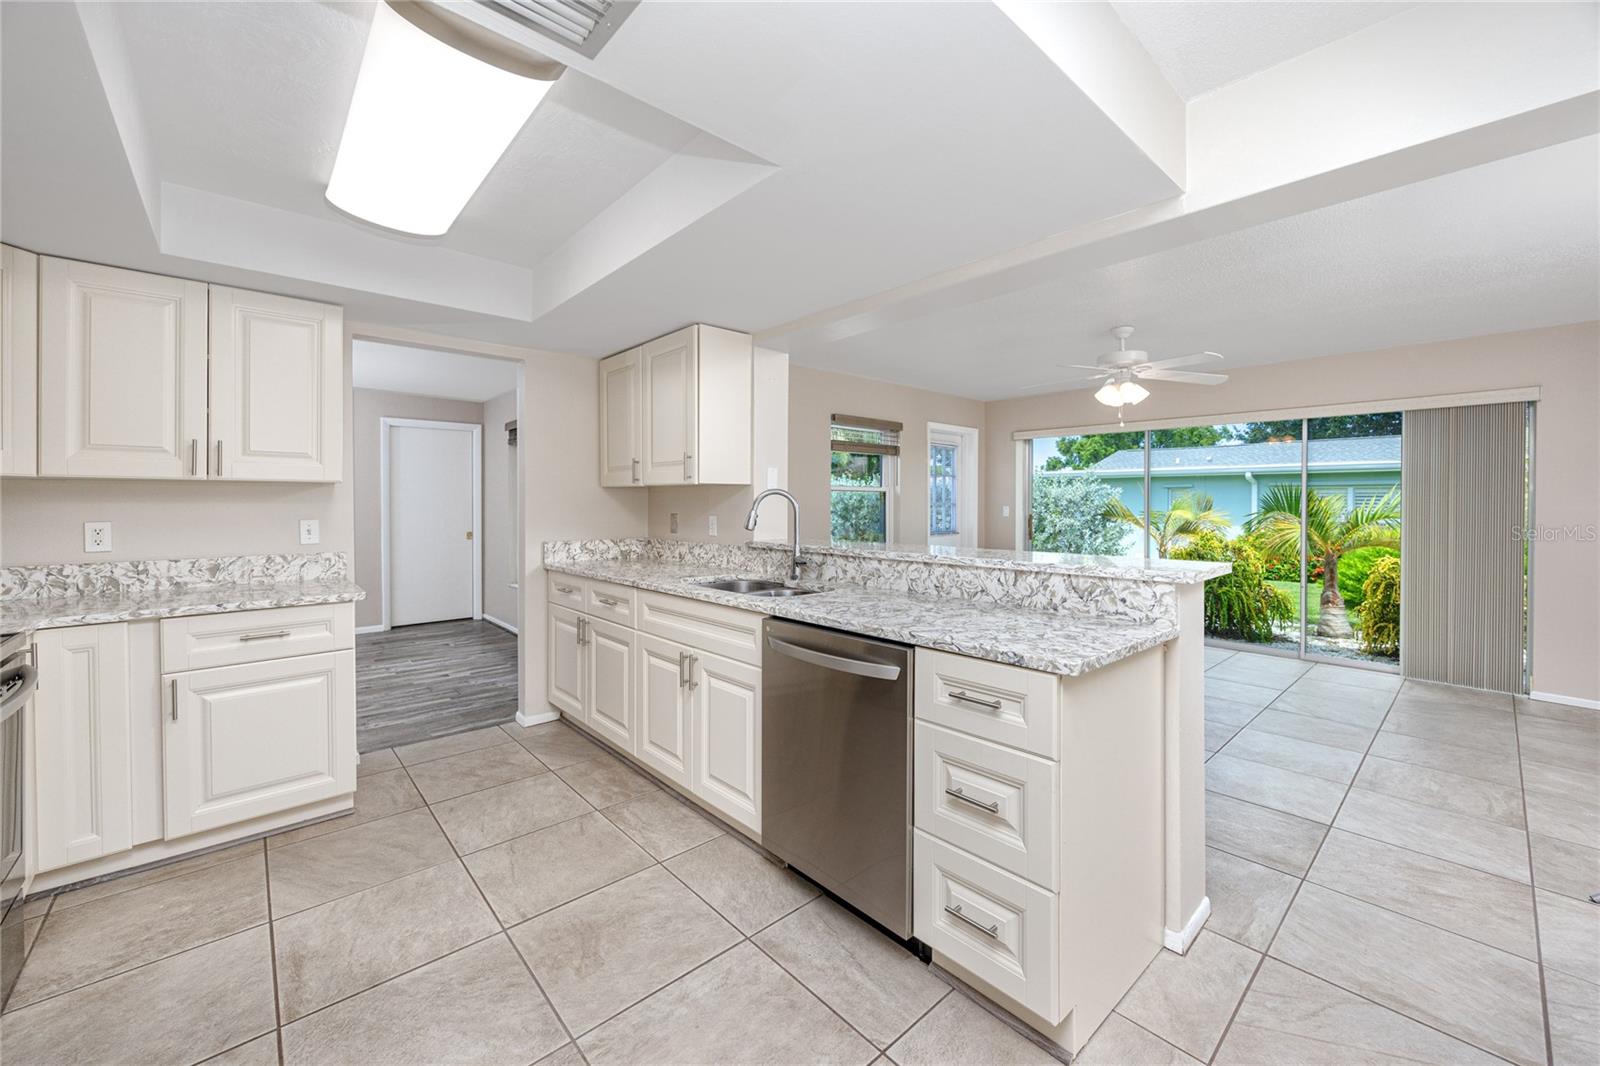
(97, 536)
(1005, 510)
(310, 531)
(711, 525)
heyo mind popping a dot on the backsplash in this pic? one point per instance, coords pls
(144, 576)
(1085, 595)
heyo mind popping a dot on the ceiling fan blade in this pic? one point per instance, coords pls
(1080, 366)
(1059, 383)
(1182, 360)
(1183, 375)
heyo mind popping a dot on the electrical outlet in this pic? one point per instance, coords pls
(711, 525)
(310, 531)
(674, 521)
(97, 536)
(1005, 510)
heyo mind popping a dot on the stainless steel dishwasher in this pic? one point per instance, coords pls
(836, 765)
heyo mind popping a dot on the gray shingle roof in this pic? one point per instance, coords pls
(1284, 454)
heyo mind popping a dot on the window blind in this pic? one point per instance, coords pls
(1461, 565)
(857, 433)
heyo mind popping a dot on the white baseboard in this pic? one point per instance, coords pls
(1570, 701)
(380, 628)
(507, 626)
(537, 717)
(1179, 941)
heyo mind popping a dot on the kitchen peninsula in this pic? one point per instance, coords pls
(1059, 796)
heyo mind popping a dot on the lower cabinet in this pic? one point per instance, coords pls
(665, 709)
(564, 661)
(259, 738)
(727, 737)
(82, 791)
(608, 702)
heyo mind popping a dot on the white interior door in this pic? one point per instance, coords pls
(431, 538)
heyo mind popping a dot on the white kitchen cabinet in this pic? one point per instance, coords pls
(619, 419)
(665, 731)
(564, 671)
(608, 663)
(258, 738)
(689, 419)
(82, 796)
(19, 361)
(122, 373)
(277, 388)
(726, 757)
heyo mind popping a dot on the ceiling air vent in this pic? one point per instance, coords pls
(582, 25)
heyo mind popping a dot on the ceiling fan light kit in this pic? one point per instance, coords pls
(1121, 368)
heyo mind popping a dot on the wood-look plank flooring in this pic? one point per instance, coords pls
(419, 682)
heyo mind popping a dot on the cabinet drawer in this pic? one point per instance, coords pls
(614, 603)
(997, 926)
(203, 641)
(1002, 703)
(566, 590)
(706, 626)
(995, 802)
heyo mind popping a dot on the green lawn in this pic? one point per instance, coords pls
(1291, 589)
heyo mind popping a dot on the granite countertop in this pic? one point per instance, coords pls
(1165, 571)
(1054, 642)
(92, 608)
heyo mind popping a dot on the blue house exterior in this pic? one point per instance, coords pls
(1235, 475)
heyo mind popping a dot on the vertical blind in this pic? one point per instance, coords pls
(1463, 601)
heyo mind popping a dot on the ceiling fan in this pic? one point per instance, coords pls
(1121, 370)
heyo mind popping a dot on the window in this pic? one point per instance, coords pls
(862, 478)
(943, 462)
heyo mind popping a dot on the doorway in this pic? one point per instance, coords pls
(952, 485)
(432, 492)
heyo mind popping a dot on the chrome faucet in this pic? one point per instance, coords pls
(794, 542)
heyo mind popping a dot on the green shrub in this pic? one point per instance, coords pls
(1380, 609)
(1354, 566)
(1240, 605)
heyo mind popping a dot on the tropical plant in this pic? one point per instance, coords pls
(1239, 605)
(1331, 531)
(1190, 513)
(1353, 571)
(1069, 516)
(1380, 608)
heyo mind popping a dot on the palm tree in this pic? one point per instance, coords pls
(1330, 531)
(1190, 513)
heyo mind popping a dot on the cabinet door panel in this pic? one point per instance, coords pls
(277, 388)
(83, 798)
(256, 739)
(727, 750)
(564, 680)
(19, 361)
(668, 370)
(665, 731)
(619, 420)
(608, 699)
(122, 382)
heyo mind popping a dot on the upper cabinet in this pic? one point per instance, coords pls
(122, 373)
(144, 376)
(277, 388)
(19, 361)
(676, 411)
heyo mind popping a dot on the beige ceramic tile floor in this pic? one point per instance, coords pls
(1398, 873)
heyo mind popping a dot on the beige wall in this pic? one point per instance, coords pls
(500, 552)
(1563, 361)
(41, 519)
(371, 405)
(815, 395)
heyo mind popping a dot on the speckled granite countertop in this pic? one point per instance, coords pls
(92, 608)
(1051, 641)
(1163, 571)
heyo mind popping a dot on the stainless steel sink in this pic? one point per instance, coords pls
(747, 585)
(777, 593)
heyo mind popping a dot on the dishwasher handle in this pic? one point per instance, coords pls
(859, 667)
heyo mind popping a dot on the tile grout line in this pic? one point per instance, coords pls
(272, 952)
(1533, 894)
(1152, 1032)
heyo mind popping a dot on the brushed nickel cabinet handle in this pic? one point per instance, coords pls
(992, 931)
(694, 661)
(194, 456)
(583, 631)
(956, 793)
(993, 705)
(219, 458)
(683, 668)
(609, 601)
(688, 467)
(565, 590)
(174, 699)
(636, 471)
(274, 635)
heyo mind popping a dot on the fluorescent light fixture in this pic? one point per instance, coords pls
(426, 125)
(1113, 394)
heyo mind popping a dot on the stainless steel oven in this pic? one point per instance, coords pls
(18, 678)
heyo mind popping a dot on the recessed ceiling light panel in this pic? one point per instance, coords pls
(426, 125)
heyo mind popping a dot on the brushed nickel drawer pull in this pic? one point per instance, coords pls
(694, 661)
(683, 668)
(174, 699)
(565, 590)
(956, 793)
(609, 601)
(194, 456)
(993, 705)
(636, 471)
(583, 631)
(275, 635)
(992, 931)
(219, 458)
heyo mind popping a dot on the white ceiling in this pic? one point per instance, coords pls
(1201, 46)
(430, 372)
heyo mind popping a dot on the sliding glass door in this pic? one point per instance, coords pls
(1087, 495)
